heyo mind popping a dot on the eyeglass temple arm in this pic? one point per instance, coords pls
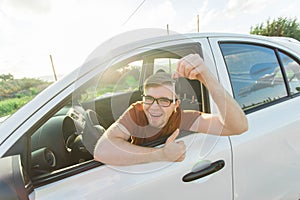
(174, 89)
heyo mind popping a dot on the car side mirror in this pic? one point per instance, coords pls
(12, 179)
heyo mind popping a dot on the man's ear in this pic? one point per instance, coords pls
(177, 103)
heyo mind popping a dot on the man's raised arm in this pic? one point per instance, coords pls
(231, 119)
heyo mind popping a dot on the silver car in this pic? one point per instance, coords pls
(46, 147)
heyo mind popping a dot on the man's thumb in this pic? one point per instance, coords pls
(173, 137)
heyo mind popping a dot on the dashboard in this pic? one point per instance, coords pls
(58, 143)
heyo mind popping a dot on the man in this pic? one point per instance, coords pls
(159, 115)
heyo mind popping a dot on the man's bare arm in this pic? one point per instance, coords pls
(231, 119)
(113, 148)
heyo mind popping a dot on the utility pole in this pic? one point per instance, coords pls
(168, 32)
(170, 67)
(198, 24)
(55, 77)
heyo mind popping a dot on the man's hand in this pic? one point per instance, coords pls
(174, 151)
(191, 66)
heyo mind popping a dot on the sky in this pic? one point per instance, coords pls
(69, 30)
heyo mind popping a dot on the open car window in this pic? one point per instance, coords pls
(63, 145)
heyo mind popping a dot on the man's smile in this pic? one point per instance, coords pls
(155, 114)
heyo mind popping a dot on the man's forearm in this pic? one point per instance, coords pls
(113, 148)
(117, 151)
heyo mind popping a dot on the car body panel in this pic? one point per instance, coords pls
(152, 180)
(270, 152)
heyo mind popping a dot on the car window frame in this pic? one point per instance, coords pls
(69, 171)
(279, 51)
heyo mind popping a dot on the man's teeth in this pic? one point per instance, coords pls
(156, 114)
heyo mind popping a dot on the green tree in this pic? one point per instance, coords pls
(11, 88)
(282, 26)
(5, 77)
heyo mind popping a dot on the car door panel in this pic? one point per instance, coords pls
(270, 154)
(265, 158)
(152, 180)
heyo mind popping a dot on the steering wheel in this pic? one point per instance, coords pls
(92, 130)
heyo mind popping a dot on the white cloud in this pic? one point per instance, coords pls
(236, 7)
(66, 30)
(238, 16)
(25, 9)
(155, 13)
(69, 31)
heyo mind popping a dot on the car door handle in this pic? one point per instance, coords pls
(212, 168)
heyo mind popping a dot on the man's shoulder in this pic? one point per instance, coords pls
(136, 114)
(137, 105)
(136, 108)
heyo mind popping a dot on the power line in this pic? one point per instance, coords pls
(134, 12)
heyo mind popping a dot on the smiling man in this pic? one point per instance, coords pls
(159, 115)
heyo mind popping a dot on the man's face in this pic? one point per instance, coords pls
(157, 115)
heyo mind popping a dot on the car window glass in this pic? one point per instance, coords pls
(165, 64)
(254, 73)
(121, 78)
(292, 70)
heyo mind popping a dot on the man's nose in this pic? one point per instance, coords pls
(155, 104)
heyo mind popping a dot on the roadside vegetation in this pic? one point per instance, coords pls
(14, 93)
(282, 26)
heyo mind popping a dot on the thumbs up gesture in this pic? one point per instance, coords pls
(174, 151)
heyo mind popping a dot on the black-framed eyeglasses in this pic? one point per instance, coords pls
(163, 101)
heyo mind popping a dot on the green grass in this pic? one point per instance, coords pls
(15, 93)
(10, 106)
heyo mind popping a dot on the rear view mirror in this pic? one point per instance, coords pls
(12, 180)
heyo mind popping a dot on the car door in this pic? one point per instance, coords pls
(266, 84)
(84, 178)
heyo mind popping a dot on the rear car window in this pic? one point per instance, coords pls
(255, 74)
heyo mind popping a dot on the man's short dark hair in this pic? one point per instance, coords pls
(158, 79)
